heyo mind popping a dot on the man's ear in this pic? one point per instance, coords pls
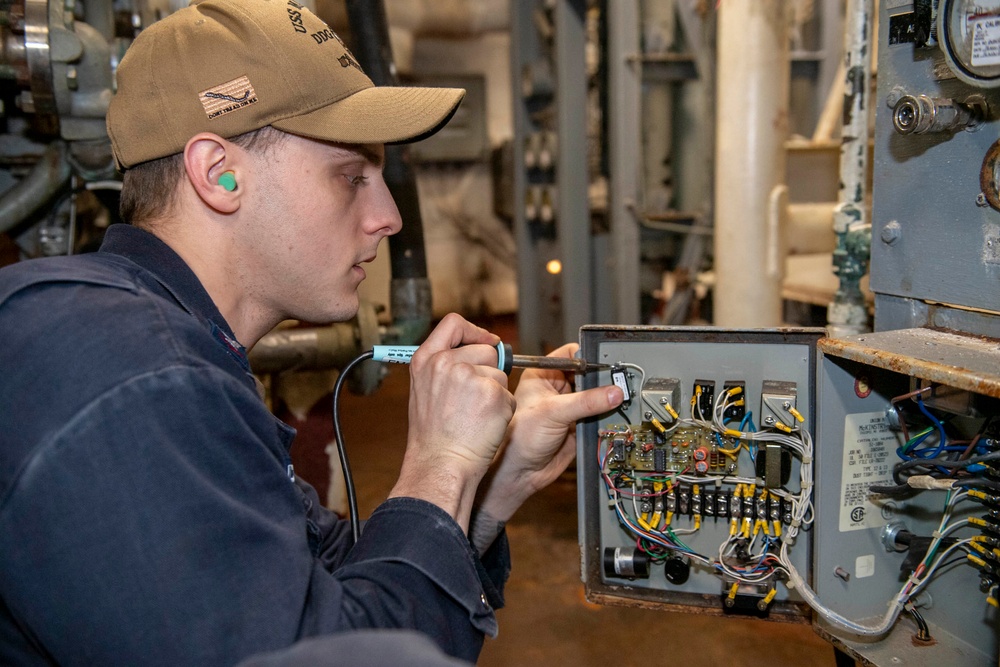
(207, 157)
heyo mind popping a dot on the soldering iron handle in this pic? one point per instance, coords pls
(402, 354)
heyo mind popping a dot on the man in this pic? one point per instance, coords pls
(148, 511)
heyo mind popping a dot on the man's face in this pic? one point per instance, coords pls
(318, 212)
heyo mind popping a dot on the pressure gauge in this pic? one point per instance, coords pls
(969, 34)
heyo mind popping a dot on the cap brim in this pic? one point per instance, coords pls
(378, 115)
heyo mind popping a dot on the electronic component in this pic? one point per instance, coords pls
(702, 399)
(661, 399)
(735, 392)
(773, 465)
(619, 377)
(625, 562)
(777, 405)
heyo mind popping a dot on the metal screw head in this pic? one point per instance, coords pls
(769, 420)
(730, 602)
(663, 400)
(647, 415)
(891, 232)
(761, 605)
(981, 200)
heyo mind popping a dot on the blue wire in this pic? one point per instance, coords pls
(937, 422)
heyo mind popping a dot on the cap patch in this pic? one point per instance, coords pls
(227, 97)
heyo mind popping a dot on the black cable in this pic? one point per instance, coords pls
(352, 500)
(923, 630)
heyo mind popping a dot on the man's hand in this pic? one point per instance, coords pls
(540, 443)
(459, 411)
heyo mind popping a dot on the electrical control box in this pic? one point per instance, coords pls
(789, 484)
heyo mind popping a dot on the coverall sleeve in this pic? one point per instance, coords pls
(160, 527)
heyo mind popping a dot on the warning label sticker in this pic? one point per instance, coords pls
(986, 41)
(869, 446)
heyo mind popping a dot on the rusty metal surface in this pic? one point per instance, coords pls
(971, 363)
(900, 648)
(691, 603)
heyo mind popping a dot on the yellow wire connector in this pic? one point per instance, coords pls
(795, 413)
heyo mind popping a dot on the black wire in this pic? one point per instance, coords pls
(352, 500)
(923, 630)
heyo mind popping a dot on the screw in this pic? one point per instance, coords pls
(786, 404)
(761, 605)
(891, 232)
(769, 420)
(647, 415)
(841, 573)
(981, 200)
(663, 400)
(730, 602)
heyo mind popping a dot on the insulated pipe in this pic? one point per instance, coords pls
(49, 175)
(754, 72)
(847, 313)
(410, 291)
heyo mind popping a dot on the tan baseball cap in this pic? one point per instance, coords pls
(233, 66)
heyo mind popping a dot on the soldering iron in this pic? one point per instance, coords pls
(506, 359)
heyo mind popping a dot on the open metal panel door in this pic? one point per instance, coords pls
(867, 544)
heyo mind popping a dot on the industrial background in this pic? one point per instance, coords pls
(801, 198)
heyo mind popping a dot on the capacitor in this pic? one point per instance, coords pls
(677, 570)
(700, 454)
(626, 562)
(701, 467)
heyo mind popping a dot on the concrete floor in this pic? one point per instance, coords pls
(547, 620)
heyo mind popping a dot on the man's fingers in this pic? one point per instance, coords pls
(454, 331)
(569, 408)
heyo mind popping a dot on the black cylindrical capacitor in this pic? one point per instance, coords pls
(677, 570)
(625, 562)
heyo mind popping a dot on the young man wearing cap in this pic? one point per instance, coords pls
(148, 510)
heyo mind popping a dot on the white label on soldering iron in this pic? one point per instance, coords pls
(869, 445)
(394, 354)
(618, 377)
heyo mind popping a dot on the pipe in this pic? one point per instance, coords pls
(317, 348)
(847, 313)
(810, 228)
(49, 175)
(754, 72)
(433, 18)
(410, 291)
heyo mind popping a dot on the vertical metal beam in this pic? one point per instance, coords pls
(624, 150)
(754, 71)
(523, 50)
(573, 215)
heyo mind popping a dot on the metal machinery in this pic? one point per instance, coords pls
(614, 154)
(58, 185)
(851, 482)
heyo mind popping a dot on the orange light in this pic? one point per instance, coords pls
(554, 267)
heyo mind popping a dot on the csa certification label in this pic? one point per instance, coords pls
(986, 41)
(869, 446)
